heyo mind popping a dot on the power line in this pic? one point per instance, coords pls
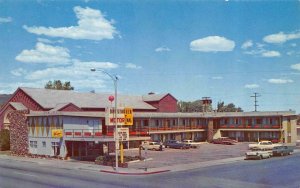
(255, 101)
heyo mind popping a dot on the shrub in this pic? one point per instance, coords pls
(4, 140)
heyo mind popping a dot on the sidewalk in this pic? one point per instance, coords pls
(76, 165)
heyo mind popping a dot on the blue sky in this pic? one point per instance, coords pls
(226, 50)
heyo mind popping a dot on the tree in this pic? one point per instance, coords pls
(221, 107)
(194, 106)
(4, 140)
(58, 85)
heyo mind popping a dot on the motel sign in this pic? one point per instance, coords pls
(124, 116)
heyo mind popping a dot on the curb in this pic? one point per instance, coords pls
(134, 173)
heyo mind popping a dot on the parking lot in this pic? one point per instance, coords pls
(205, 152)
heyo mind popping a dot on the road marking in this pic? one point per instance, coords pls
(25, 174)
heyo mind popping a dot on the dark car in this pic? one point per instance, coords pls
(224, 140)
(282, 150)
(176, 144)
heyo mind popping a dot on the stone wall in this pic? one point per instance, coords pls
(18, 132)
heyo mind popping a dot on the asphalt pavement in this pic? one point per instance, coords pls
(169, 160)
(275, 172)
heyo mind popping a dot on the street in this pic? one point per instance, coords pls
(274, 172)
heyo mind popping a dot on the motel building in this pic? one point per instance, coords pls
(71, 124)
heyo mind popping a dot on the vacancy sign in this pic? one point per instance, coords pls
(128, 114)
(124, 116)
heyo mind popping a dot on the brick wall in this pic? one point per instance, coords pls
(18, 132)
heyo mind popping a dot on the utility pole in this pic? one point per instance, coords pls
(255, 101)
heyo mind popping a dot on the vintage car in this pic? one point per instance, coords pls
(282, 150)
(192, 143)
(152, 146)
(263, 145)
(176, 144)
(258, 154)
(224, 140)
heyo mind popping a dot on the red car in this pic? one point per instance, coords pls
(224, 140)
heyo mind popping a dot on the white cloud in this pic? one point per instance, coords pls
(296, 66)
(78, 70)
(43, 40)
(292, 52)
(281, 37)
(258, 49)
(92, 25)
(271, 54)
(251, 86)
(132, 66)
(293, 44)
(11, 87)
(280, 81)
(217, 77)
(212, 44)
(5, 20)
(162, 49)
(247, 44)
(44, 53)
(18, 72)
(78, 74)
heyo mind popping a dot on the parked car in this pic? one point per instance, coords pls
(176, 144)
(192, 143)
(152, 146)
(224, 140)
(258, 154)
(275, 141)
(282, 150)
(263, 145)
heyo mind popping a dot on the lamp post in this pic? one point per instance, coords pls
(115, 80)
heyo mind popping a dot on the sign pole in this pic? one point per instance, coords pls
(116, 125)
(122, 153)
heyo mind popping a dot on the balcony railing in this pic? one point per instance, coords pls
(83, 133)
(176, 128)
(96, 133)
(249, 126)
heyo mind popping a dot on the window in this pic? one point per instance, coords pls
(157, 122)
(225, 121)
(174, 121)
(33, 144)
(55, 147)
(183, 122)
(259, 121)
(271, 121)
(54, 144)
(44, 144)
(236, 121)
(199, 121)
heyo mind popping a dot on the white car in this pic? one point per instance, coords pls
(263, 145)
(152, 146)
(258, 154)
(192, 143)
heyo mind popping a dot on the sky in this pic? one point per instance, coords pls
(227, 50)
